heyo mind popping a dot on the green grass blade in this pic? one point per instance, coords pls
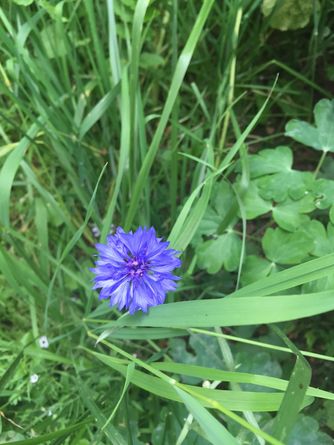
(180, 71)
(287, 279)
(214, 431)
(295, 393)
(233, 311)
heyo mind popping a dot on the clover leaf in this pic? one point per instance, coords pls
(291, 214)
(222, 251)
(286, 248)
(323, 240)
(319, 137)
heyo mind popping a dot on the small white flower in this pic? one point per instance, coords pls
(34, 378)
(43, 342)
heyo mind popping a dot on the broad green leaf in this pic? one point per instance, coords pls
(287, 14)
(278, 187)
(289, 215)
(253, 203)
(306, 432)
(320, 137)
(224, 251)
(323, 240)
(324, 120)
(324, 193)
(233, 311)
(257, 363)
(270, 161)
(286, 248)
(255, 268)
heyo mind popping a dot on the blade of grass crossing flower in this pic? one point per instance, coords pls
(287, 279)
(233, 311)
(180, 71)
(295, 392)
(128, 377)
(124, 153)
(214, 431)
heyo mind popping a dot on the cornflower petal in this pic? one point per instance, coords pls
(134, 270)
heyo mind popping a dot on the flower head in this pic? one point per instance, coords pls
(135, 269)
(34, 378)
(43, 342)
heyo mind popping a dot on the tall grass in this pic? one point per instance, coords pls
(127, 113)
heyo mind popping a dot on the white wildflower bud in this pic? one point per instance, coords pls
(34, 378)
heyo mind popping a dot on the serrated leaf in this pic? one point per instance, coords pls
(320, 137)
(286, 248)
(224, 251)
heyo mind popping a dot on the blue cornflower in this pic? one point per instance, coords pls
(135, 269)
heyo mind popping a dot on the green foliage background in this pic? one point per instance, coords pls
(213, 122)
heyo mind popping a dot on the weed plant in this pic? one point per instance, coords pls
(214, 123)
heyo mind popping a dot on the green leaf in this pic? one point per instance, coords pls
(259, 363)
(320, 137)
(214, 431)
(289, 215)
(306, 432)
(224, 250)
(280, 186)
(287, 14)
(270, 161)
(254, 204)
(234, 311)
(324, 193)
(286, 248)
(255, 268)
(323, 240)
(232, 400)
(295, 393)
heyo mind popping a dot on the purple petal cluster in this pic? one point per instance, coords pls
(134, 270)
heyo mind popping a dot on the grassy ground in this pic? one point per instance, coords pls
(126, 114)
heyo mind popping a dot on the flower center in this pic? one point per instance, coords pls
(136, 267)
